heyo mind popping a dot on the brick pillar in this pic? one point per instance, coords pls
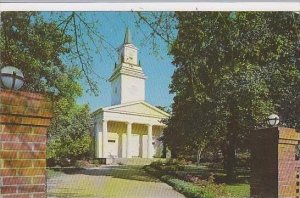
(288, 164)
(274, 167)
(24, 118)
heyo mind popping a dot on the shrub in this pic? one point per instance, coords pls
(157, 164)
(173, 168)
(205, 179)
(176, 162)
(189, 189)
(65, 151)
(69, 136)
(81, 164)
(96, 162)
(170, 165)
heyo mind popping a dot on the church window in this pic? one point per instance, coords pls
(116, 90)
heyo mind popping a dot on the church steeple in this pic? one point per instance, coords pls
(127, 38)
(128, 53)
(128, 78)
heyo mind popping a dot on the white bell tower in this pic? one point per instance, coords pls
(128, 78)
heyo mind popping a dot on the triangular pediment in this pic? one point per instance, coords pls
(138, 108)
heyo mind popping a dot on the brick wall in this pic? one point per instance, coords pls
(24, 118)
(288, 164)
(274, 165)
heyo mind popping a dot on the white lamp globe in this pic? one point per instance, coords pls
(11, 78)
(273, 120)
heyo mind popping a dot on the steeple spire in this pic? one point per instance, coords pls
(127, 39)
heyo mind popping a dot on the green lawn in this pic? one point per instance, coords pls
(238, 190)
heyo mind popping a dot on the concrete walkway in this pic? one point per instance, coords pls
(110, 182)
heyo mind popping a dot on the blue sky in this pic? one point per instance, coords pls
(158, 68)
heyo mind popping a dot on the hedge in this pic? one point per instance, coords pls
(189, 189)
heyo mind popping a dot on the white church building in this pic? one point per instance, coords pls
(130, 127)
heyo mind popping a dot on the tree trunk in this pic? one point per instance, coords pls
(164, 151)
(174, 153)
(231, 160)
(230, 163)
(199, 153)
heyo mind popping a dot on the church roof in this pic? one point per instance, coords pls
(135, 108)
(127, 38)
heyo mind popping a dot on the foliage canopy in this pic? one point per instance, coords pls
(69, 133)
(38, 47)
(232, 70)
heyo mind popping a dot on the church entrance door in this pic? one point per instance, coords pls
(135, 145)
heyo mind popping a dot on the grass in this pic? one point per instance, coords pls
(238, 190)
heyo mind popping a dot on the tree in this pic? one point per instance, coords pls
(38, 48)
(164, 108)
(69, 133)
(227, 68)
(186, 133)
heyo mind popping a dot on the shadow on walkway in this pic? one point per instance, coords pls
(67, 194)
(129, 172)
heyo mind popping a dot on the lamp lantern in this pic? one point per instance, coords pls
(11, 78)
(273, 120)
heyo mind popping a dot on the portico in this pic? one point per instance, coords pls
(128, 134)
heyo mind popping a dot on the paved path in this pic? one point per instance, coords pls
(109, 182)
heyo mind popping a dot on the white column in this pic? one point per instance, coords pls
(128, 142)
(104, 138)
(149, 142)
(124, 145)
(97, 139)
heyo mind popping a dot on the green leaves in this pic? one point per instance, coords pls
(232, 71)
(69, 133)
(37, 47)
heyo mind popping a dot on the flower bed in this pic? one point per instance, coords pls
(190, 185)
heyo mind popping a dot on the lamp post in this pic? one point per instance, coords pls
(11, 78)
(273, 120)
